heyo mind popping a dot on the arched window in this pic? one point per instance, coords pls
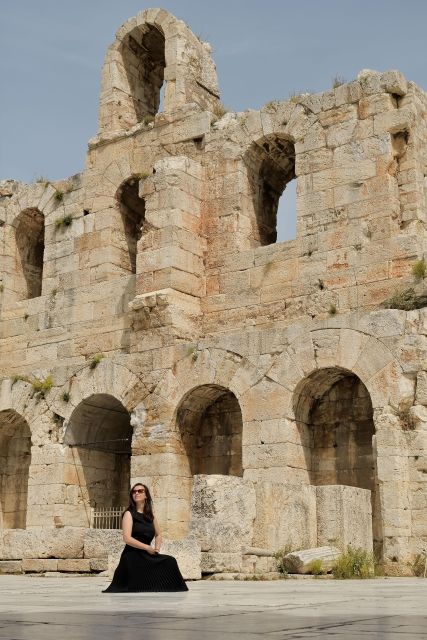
(271, 167)
(29, 236)
(143, 55)
(132, 210)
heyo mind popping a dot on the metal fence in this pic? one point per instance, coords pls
(107, 517)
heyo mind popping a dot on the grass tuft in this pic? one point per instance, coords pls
(41, 386)
(406, 300)
(65, 221)
(96, 360)
(419, 269)
(354, 563)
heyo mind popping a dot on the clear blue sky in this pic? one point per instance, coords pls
(51, 53)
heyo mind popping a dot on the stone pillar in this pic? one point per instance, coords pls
(170, 277)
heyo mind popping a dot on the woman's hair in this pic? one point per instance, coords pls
(148, 504)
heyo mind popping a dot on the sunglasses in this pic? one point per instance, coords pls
(138, 491)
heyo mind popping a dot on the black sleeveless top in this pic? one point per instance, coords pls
(142, 529)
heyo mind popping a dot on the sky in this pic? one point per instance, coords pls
(51, 54)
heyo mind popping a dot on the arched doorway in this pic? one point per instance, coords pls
(210, 422)
(99, 434)
(15, 458)
(333, 410)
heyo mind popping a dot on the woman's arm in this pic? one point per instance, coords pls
(127, 534)
(157, 536)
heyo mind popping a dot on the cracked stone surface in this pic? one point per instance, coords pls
(45, 608)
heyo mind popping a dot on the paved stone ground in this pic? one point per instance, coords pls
(62, 608)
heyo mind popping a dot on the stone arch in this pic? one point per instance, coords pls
(270, 163)
(210, 422)
(334, 414)
(15, 458)
(132, 214)
(99, 435)
(149, 48)
(30, 242)
(364, 355)
(109, 377)
(314, 365)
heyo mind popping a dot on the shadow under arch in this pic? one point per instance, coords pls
(334, 415)
(209, 419)
(15, 459)
(99, 435)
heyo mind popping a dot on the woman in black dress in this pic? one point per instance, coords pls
(142, 567)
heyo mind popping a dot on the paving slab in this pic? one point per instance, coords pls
(48, 608)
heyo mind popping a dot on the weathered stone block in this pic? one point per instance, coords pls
(344, 517)
(222, 512)
(37, 565)
(218, 562)
(285, 514)
(79, 565)
(100, 543)
(10, 566)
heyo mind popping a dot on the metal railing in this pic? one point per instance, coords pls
(106, 517)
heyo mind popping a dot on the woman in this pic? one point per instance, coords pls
(142, 567)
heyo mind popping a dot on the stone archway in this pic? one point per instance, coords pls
(333, 411)
(99, 434)
(15, 458)
(210, 421)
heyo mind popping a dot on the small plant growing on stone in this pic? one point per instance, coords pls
(43, 180)
(96, 360)
(419, 269)
(65, 396)
(406, 300)
(354, 563)
(280, 558)
(17, 378)
(193, 353)
(65, 221)
(337, 81)
(146, 120)
(59, 195)
(332, 309)
(317, 568)
(41, 386)
(1, 288)
(219, 110)
(142, 175)
(419, 566)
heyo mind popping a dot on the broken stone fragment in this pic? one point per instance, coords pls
(301, 561)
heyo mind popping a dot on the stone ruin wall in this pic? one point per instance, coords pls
(150, 293)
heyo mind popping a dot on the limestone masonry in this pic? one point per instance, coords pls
(270, 393)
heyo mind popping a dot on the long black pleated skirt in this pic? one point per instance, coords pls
(140, 571)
